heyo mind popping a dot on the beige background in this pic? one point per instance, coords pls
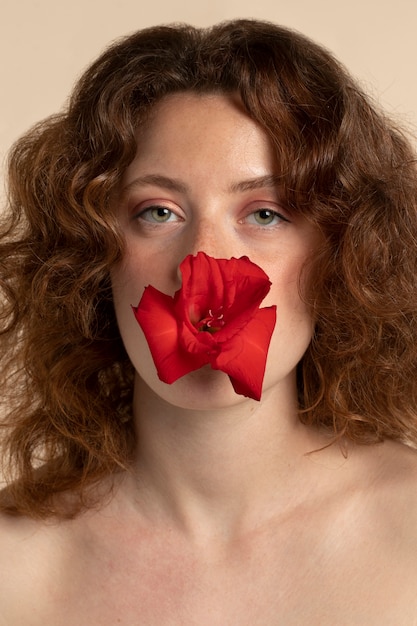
(44, 44)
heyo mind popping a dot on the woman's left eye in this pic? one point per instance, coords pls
(265, 217)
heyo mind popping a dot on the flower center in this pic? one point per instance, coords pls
(212, 322)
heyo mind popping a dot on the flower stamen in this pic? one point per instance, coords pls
(212, 323)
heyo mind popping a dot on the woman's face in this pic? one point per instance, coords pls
(203, 180)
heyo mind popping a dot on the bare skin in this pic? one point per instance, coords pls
(225, 518)
(338, 547)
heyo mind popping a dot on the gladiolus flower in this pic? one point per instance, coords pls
(213, 319)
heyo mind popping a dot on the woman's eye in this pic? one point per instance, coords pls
(266, 217)
(158, 214)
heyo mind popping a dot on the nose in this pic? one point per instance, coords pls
(206, 236)
(209, 238)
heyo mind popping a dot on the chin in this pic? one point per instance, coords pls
(203, 390)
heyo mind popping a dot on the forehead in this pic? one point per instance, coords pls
(187, 129)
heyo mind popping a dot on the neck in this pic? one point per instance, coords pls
(220, 468)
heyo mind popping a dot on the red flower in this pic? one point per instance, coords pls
(213, 319)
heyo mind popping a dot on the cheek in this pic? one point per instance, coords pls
(128, 281)
(144, 265)
(127, 290)
(294, 325)
(286, 286)
(127, 287)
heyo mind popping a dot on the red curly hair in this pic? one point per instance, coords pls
(65, 377)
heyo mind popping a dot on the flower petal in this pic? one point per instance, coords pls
(245, 286)
(202, 287)
(244, 358)
(213, 319)
(155, 316)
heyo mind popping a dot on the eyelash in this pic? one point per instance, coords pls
(157, 207)
(272, 213)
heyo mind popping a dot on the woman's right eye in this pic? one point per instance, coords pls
(157, 215)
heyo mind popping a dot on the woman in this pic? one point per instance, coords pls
(194, 495)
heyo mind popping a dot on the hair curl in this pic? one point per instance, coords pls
(67, 380)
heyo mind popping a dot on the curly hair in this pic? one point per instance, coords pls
(66, 379)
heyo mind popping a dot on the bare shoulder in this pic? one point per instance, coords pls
(394, 475)
(398, 499)
(48, 564)
(358, 541)
(35, 568)
(24, 552)
(384, 484)
(387, 505)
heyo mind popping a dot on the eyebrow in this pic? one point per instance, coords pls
(173, 184)
(259, 182)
